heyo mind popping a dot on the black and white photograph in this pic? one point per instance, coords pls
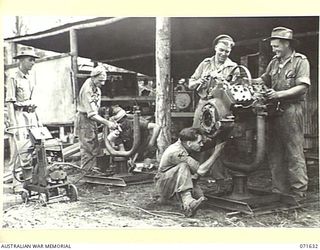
(160, 122)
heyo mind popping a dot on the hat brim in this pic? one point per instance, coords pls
(278, 37)
(19, 56)
(220, 37)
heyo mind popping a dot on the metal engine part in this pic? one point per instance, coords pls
(246, 143)
(237, 93)
(241, 93)
(215, 114)
(55, 174)
(47, 180)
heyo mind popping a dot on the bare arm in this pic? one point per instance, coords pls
(11, 115)
(287, 94)
(10, 100)
(193, 83)
(204, 167)
(100, 119)
(96, 117)
(155, 132)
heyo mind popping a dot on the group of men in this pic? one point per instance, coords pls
(287, 77)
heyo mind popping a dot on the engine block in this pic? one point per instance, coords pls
(230, 98)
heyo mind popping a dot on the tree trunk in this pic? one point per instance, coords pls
(163, 113)
(74, 60)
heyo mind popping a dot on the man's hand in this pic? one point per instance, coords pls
(203, 82)
(271, 94)
(32, 108)
(113, 135)
(220, 146)
(111, 125)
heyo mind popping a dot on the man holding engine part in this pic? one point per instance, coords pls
(211, 71)
(288, 76)
(87, 117)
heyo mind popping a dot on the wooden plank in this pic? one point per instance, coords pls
(128, 98)
(43, 59)
(182, 114)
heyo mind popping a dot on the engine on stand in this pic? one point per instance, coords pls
(237, 109)
(122, 161)
(45, 175)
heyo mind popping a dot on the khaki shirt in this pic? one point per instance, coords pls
(18, 87)
(89, 98)
(176, 154)
(294, 71)
(205, 68)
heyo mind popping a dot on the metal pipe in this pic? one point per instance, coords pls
(261, 144)
(245, 70)
(136, 139)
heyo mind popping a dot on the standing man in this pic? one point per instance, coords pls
(88, 117)
(21, 109)
(210, 71)
(288, 76)
(178, 171)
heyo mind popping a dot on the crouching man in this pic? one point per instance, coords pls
(178, 171)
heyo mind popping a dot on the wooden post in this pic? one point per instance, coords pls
(74, 60)
(163, 112)
(263, 58)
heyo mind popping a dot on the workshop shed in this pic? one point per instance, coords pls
(130, 43)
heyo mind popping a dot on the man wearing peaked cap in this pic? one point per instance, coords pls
(223, 38)
(288, 77)
(87, 118)
(19, 89)
(210, 71)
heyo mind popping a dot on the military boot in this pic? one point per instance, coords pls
(190, 205)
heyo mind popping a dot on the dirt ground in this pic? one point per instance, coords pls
(137, 206)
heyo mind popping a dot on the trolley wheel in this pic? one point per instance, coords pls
(72, 192)
(24, 196)
(43, 198)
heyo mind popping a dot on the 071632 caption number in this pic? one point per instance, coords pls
(309, 246)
